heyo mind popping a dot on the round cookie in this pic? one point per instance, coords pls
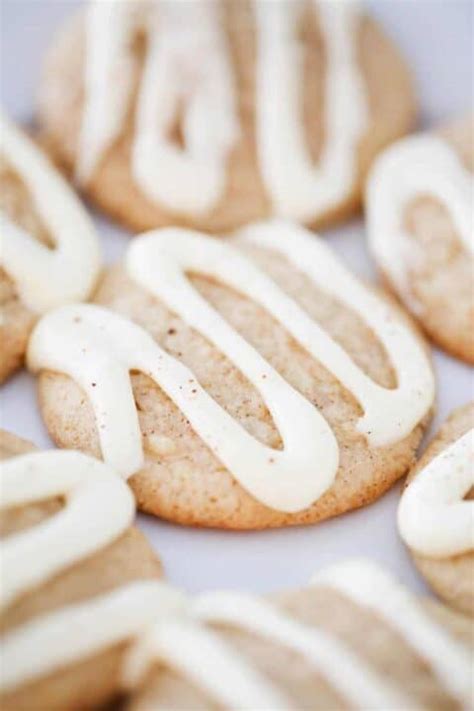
(354, 639)
(436, 512)
(225, 112)
(261, 393)
(78, 580)
(419, 213)
(49, 251)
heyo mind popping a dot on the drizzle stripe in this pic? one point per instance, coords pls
(207, 661)
(358, 684)
(412, 168)
(34, 555)
(369, 586)
(300, 190)
(98, 348)
(45, 278)
(432, 518)
(40, 647)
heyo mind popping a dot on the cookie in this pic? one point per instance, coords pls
(435, 516)
(78, 580)
(419, 213)
(354, 639)
(211, 115)
(268, 385)
(49, 251)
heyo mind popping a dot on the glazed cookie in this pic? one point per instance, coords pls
(49, 251)
(436, 515)
(245, 383)
(354, 639)
(214, 114)
(78, 580)
(419, 210)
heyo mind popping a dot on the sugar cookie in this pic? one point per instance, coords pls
(419, 210)
(49, 251)
(354, 639)
(214, 114)
(78, 580)
(262, 393)
(436, 512)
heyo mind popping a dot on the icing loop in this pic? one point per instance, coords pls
(35, 555)
(98, 349)
(369, 586)
(46, 278)
(188, 69)
(412, 168)
(432, 518)
(110, 68)
(159, 260)
(297, 188)
(186, 66)
(31, 557)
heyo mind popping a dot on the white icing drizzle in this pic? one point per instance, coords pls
(208, 662)
(98, 348)
(41, 646)
(432, 518)
(412, 168)
(110, 67)
(46, 278)
(34, 555)
(359, 685)
(369, 586)
(187, 67)
(299, 189)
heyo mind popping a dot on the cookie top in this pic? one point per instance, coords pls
(419, 213)
(435, 516)
(354, 639)
(225, 112)
(49, 251)
(266, 393)
(78, 581)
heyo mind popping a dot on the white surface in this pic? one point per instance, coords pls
(436, 38)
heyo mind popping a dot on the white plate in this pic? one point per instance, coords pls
(436, 40)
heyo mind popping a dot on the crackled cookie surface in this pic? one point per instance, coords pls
(225, 112)
(78, 580)
(233, 382)
(354, 639)
(436, 512)
(49, 252)
(419, 209)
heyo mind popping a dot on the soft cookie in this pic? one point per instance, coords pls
(49, 251)
(436, 512)
(240, 383)
(354, 639)
(215, 114)
(419, 211)
(78, 580)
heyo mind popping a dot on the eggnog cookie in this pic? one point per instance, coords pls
(420, 226)
(78, 580)
(215, 114)
(240, 383)
(353, 639)
(436, 512)
(49, 252)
